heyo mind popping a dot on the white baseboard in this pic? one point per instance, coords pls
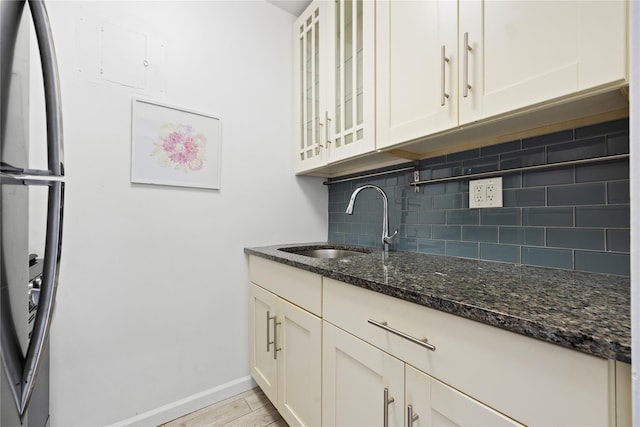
(189, 404)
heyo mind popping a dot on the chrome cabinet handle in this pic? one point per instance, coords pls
(385, 411)
(275, 338)
(443, 94)
(327, 120)
(411, 417)
(465, 67)
(319, 127)
(422, 342)
(268, 332)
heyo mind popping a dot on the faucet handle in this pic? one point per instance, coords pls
(387, 239)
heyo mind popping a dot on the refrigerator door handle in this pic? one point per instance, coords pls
(48, 289)
(51, 79)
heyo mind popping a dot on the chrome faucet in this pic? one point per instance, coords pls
(386, 239)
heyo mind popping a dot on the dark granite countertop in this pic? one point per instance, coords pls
(584, 311)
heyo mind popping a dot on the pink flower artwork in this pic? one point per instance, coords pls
(181, 147)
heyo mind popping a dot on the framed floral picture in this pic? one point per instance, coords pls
(174, 146)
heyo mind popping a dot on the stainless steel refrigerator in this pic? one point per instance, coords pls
(31, 203)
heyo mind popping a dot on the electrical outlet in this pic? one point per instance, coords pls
(485, 193)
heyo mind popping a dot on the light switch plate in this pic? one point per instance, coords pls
(485, 193)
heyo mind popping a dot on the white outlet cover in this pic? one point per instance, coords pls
(485, 193)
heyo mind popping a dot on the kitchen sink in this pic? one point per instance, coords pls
(326, 252)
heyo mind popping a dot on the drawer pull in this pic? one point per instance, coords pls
(385, 411)
(422, 342)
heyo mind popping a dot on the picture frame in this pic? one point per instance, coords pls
(174, 146)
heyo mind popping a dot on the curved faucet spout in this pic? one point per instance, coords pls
(386, 239)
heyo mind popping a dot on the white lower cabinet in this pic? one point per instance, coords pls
(327, 353)
(355, 379)
(430, 402)
(364, 386)
(285, 354)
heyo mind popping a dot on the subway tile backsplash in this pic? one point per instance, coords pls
(572, 217)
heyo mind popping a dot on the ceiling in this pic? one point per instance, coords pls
(294, 7)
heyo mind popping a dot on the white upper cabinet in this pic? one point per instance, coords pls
(443, 64)
(417, 69)
(522, 53)
(310, 86)
(352, 85)
(334, 82)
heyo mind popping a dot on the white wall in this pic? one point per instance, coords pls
(634, 135)
(152, 305)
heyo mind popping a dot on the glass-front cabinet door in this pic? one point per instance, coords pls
(334, 82)
(352, 78)
(310, 79)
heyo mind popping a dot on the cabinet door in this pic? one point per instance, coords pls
(299, 337)
(522, 53)
(436, 404)
(417, 69)
(310, 87)
(351, 96)
(354, 378)
(263, 305)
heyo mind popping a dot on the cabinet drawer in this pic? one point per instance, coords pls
(534, 382)
(299, 287)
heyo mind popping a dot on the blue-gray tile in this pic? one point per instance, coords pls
(550, 217)
(500, 216)
(407, 244)
(523, 197)
(618, 144)
(612, 216)
(447, 201)
(613, 126)
(618, 192)
(531, 236)
(479, 165)
(505, 147)
(446, 170)
(433, 161)
(432, 217)
(419, 230)
(576, 150)
(545, 257)
(409, 217)
(335, 237)
(512, 180)
(446, 232)
(547, 177)
(548, 139)
(576, 194)
(419, 203)
(531, 157)
(462, 249)
(463, 216)
(368, 241)
(603, 262)
(618, 240)
(427, 246)
(433, 189)
(603, 171)
(504, 253)
(480, 233)
(457, 187)
(463, 155)
(342, 228)
(576, 238)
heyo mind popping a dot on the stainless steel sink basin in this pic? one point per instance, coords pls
(327, 252)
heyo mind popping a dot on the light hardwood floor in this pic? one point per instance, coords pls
(249, 409)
